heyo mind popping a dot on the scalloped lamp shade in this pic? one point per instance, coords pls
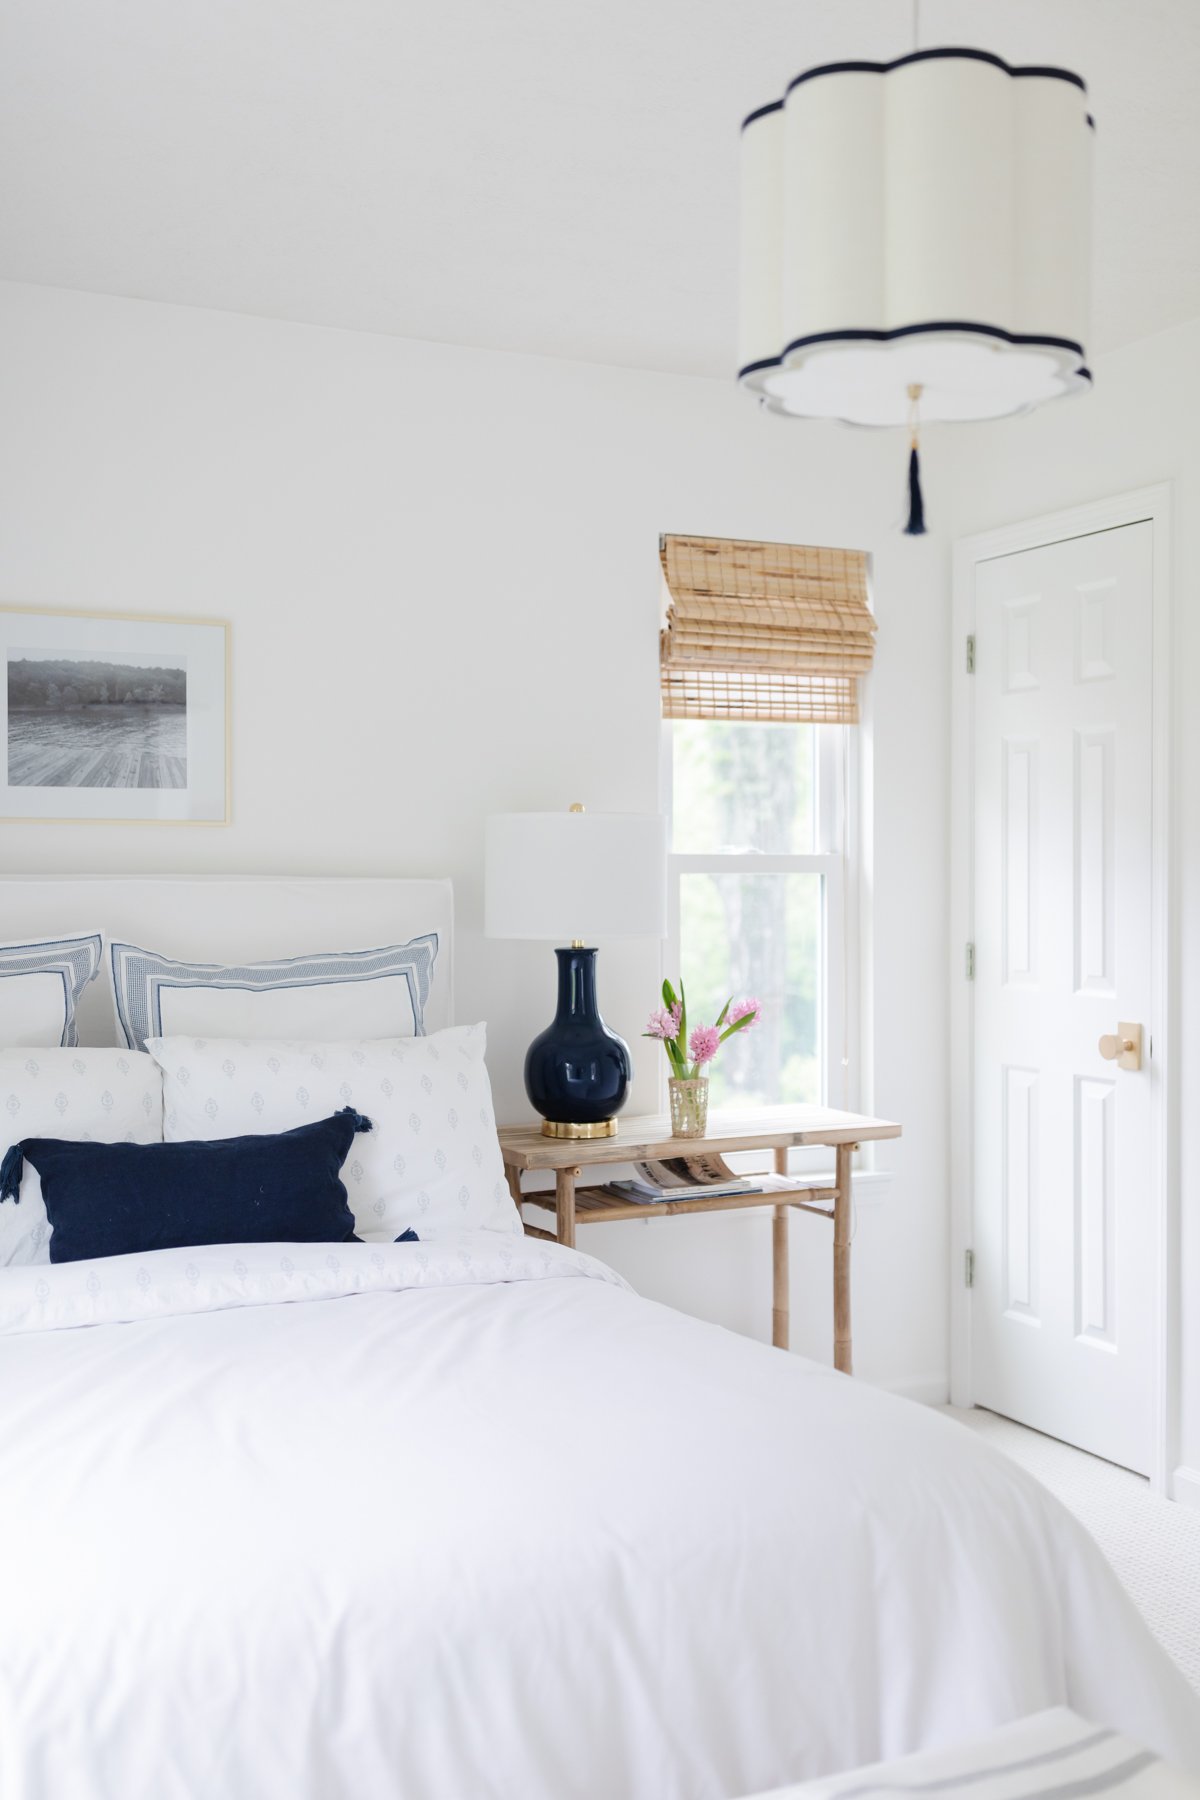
(578, 875)
(924, 225)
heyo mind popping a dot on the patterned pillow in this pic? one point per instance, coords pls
(431, 1163)
(347, 994)
(40, 982)
(93, 1096)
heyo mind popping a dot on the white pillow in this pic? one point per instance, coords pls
(41, 980)
(432, 1161)
(97, 1096)
(324, 997)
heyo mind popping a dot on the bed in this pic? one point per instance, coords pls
(466, 1518)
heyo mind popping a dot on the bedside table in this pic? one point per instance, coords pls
(774, 1128)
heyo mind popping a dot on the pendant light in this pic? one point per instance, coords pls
(915, 242)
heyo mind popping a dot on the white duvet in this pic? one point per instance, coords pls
(469, 1519)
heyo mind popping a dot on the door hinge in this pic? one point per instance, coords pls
(970, 962)
(969, 1268)
(971, 653)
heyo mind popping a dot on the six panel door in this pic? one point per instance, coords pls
(1063, 1310)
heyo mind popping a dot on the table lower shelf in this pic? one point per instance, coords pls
(594, 1205)
(571, 1206)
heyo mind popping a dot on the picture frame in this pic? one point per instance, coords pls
(113, 718)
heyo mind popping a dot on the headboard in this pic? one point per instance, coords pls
(232, 918)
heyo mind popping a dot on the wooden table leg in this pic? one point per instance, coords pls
(780, 1315)
(843, 1347)
(779, 1261)
(564, 1203)
(513, 1178)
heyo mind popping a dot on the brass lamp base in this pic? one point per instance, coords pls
(601, 1128)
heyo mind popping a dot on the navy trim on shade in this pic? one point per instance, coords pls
(760, 112)
(899, 331)
(1017, 71)
(859, 334)
(767, 362)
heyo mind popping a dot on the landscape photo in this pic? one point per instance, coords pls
(84, 722)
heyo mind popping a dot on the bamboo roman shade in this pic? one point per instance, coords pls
(764, 631)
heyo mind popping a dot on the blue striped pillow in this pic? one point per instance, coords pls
(329, 996)
(40, 984)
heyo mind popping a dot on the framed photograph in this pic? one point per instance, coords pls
(117, 718)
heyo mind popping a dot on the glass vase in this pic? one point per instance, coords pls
(689, 1107)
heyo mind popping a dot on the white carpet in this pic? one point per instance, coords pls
(1152, 1543)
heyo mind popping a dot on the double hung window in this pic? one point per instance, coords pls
(759, 764)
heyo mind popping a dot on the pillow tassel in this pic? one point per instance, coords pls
(11, 1170)
(361, 1121)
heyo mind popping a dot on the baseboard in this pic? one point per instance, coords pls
(1185, 1486)
(927, 1390)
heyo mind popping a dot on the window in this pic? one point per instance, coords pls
(759, 902)
(762, 652)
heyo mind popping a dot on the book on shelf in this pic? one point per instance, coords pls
(698, 1176)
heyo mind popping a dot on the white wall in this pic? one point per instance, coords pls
(441, 568)
(1138, 427)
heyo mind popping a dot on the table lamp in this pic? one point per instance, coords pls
(576, 875)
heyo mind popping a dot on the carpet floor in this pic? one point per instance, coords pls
(1152, 1543)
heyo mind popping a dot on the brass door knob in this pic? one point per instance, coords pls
(1124, 1048)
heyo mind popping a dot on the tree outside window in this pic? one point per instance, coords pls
(756, 896)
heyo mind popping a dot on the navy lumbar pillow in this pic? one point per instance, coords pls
(111, 1199)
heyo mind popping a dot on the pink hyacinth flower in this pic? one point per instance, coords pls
(664, 1024)
(743, 1010)
(704, 1043)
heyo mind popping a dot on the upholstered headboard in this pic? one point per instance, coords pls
(234, 918)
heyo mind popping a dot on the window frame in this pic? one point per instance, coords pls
(836, 832)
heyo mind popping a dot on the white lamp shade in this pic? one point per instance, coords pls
(565, 875)
(924, 222)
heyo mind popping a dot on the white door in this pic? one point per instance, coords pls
(1063, 1310)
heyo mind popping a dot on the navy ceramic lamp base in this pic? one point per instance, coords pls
(577, 1071)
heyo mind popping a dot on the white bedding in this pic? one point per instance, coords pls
(494, 1526)
(1053, 1755)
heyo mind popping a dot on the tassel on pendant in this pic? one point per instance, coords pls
(916, 502)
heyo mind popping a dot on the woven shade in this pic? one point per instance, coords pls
(775, 632)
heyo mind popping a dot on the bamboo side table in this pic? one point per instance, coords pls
(774, 1128)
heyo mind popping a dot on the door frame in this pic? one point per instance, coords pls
(1152, 505)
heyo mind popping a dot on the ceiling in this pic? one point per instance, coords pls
(536, 175)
